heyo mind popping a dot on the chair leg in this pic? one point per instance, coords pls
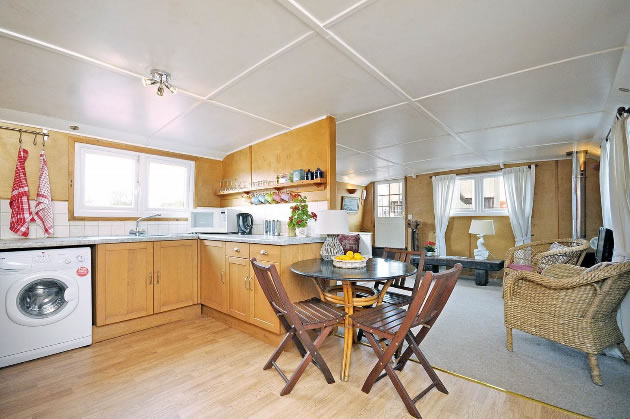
(595, 374)
(508, 332)
(425, 364)
(625, 352)
(383, 363)
(276, 354)
(311, 354)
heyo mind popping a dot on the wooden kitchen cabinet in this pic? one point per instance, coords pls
(175, 266)
(212, 279)
(238, 287)
(124, 282)
(260, 312)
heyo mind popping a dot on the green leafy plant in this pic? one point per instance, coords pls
(300, 215)
(429, 246)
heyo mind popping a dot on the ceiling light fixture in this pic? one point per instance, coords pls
(162, 79)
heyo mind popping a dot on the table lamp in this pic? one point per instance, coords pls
(332, 223)
(481, 228)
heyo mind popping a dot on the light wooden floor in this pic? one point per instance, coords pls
(203, 368)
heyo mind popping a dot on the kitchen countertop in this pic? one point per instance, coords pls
(89, 241)
(262, 239)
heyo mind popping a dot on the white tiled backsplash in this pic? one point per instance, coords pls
(276, 212)
(64, 228)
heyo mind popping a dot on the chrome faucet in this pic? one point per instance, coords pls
(137, 231)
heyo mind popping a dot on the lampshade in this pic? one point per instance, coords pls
(485, 227)
(332, 222)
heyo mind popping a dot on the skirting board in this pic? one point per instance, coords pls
(114, 330)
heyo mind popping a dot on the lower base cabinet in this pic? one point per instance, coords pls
(139, 279)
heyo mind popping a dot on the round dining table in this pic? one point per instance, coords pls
(326, 275)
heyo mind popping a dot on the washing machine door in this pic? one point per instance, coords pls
(42, 299)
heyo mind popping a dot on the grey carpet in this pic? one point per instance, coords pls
(469, 339)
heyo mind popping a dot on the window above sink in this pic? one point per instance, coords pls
(115, 183)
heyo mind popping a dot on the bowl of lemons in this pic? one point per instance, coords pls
(350, 260)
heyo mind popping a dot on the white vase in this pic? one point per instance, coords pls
(300, 231)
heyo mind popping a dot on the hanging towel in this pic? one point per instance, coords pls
(43, 206)
(20, 208)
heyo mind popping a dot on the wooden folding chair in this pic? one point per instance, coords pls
(395, 323)
(297, 319)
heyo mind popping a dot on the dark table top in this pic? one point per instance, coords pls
(487, 264)
(376, 269)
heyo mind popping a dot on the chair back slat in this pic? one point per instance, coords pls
(406, 256)
(426, 305)
(273, 289)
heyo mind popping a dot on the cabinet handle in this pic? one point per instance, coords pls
(158, 278)
(236, 249)
(222, 280)
(245, 282)
(263, 252)
(150, 278)
(251, 287)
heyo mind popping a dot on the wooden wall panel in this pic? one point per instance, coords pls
(208, 174)
(367, 222)
(545, 210)
(56, 155)
(593, 199)
(565, 228)
(355, 220)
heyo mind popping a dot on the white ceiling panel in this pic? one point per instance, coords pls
(535, 153)
(323, 10)
(203, 43)
(215, 129)
(455, 161)
(344, 152)
(420, 150)
(381, 173)
(359, 163)
(311, 80)
(430, 46)
(570, 88)
(38, 81)
(573, 128)
(396, 125)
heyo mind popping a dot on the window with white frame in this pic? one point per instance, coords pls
(479, 194)
(118, 183)
(389, 197)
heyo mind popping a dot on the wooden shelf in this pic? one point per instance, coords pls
(303, 185)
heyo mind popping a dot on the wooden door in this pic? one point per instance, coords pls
(238, 287)
(212, 275)
(260, 312)
(175, 265)
(124, 281)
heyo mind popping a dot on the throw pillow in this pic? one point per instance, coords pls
(555, 259)
(349, 242)
(598, 266)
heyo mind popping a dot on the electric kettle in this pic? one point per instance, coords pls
(244, 222)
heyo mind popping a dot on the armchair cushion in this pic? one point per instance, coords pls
(518, 267)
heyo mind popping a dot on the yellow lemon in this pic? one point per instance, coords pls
(350, 253)
(357, 256)
(339, 257)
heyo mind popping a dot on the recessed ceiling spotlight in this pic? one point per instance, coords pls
(162, 79)
(74, 127)
(624, 89)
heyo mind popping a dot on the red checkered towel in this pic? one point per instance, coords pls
(20, 208)
(43, 206)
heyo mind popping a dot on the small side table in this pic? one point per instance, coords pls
(481, 267)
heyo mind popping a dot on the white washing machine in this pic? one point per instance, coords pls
(45, 303)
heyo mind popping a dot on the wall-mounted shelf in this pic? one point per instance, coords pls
(302, 185)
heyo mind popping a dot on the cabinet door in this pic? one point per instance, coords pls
(238, 287)
(212, 275)
(124, 282)
(175, 265)
(260, 312)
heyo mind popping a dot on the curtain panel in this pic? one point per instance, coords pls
(519, 193)
(443, 188)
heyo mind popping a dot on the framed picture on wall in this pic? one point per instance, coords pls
(350, 203)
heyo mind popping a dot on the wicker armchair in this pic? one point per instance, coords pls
(569, 305)
(536, 256)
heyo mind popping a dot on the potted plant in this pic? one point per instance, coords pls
(300, 216)
(429, 247)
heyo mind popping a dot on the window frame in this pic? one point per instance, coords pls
(140, 207)
(478, 209)
(402, 195)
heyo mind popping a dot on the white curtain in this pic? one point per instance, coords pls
(519, 193)
(614, 184)
(443, 187)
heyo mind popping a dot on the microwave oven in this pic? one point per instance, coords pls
(213, 220)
